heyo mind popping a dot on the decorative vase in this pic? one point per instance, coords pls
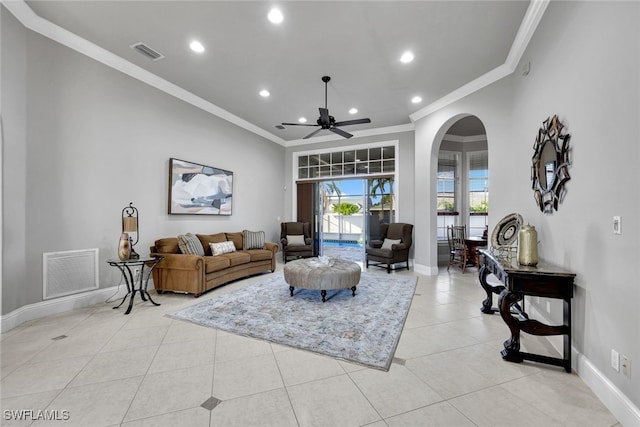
(124, 247)
(528, 245)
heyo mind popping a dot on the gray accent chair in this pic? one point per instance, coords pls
(386, 257)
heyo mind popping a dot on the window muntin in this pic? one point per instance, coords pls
(348, 163)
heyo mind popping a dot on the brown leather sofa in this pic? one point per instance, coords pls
(195, 274)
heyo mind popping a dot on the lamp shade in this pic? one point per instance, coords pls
(129, 224)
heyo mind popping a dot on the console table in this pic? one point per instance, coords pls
(544, 280)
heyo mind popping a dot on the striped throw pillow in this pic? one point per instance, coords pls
(190, 244)
(253, 239)
(222, 248)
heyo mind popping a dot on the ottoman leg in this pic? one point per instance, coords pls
(353, 291)
(291, 288)
(324, 295)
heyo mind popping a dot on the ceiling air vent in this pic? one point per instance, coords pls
(279, 127)
(147, 51)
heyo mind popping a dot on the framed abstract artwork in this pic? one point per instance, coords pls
(199, 189)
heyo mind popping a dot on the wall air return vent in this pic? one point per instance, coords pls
(69, 272)
(150, 53)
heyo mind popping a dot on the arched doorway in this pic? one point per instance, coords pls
(462, 179)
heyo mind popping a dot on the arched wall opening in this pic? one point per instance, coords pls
(430, 133)
(462, 182)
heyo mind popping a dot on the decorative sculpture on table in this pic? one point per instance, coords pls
(505, 235)
(129, 227)
(549, 171)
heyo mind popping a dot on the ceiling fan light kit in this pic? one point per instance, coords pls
(328, 122)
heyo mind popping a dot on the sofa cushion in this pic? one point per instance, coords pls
(190, 244)
(205, 239)
(168, 245)
(215, 263)
(222, 248)
(237, 239)
(252, 239)
(237, 258)
(259, 254)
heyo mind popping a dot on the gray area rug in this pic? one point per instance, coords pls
(364, 329)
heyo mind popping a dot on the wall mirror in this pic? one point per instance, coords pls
(550, 162)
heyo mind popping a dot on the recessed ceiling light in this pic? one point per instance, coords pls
(264, 93)
(302, 120)
(353, 111)
(416, 99)
(406, 57)
(275, 16)
(196, 46)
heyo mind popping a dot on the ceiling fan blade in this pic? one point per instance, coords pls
(324, 115)
(298, 124)
(312, 133)
(341, 132)
(353, 122)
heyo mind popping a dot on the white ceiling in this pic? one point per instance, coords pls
(358, 44)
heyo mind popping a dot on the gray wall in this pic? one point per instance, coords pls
(584, 67)
(83, 140)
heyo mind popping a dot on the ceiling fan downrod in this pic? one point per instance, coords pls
(325, 79)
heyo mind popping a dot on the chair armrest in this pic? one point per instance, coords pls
(308, 240)
(398, 246)
(375, 244)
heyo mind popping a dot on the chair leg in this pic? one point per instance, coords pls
(388, 268)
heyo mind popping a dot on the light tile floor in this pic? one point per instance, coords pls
(145, 369)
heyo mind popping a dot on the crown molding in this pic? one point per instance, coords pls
(530, 22)
(30, 20)
(458, 138)
(409, 127)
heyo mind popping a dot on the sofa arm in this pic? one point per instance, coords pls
(180, 261)
(270, 246)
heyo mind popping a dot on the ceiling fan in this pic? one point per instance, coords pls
(325, 121)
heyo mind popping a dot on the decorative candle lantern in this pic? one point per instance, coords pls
(528, 245)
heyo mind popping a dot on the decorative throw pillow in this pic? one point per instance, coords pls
(296, 240)
(253, 239)
(388, 243)
(190, 244)
(222, 248)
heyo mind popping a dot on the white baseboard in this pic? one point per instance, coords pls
(617, 402)
(425, 269)
(58, 305)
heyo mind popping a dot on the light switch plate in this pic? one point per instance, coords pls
(617, 225)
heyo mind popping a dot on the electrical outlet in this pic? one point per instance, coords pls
(617, 225)
(626, 365)
(615, 360)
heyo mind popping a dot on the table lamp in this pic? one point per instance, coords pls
(130, 226)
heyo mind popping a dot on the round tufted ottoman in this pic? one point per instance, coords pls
(310, 273)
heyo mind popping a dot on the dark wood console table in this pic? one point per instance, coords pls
(543, 280)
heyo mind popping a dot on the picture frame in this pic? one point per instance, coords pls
(197, 189)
